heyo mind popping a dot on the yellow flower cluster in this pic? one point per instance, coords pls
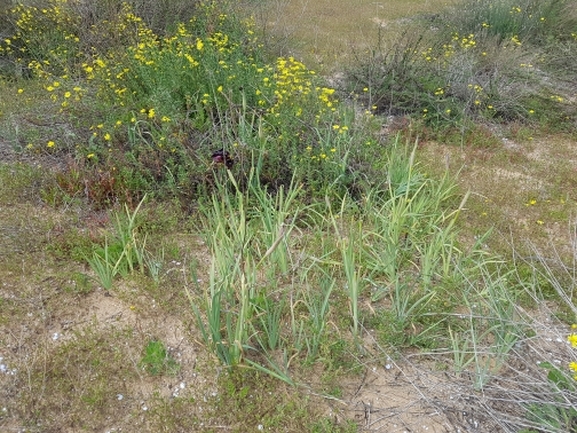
(467, 41)
(479, 97)
(293, 86)
(572, 338)
(153, 82)
(49, 30)
(458, 42)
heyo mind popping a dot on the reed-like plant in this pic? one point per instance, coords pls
(126, 250)
(317, 302)
(246, 230)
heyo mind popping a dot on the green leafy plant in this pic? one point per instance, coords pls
(156, 359)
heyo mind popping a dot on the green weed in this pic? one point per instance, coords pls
(156, 360)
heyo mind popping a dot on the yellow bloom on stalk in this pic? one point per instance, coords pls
(51, 144)
(516, 41)
(151, 113)
(107, 137)
(199, 44)
(572, 339)
(573, 367)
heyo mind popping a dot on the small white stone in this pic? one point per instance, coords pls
(119, 397)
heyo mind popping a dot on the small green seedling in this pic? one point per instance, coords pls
(157, 360)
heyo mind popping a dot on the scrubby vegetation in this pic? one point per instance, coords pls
(264, 217)
(477, 63)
